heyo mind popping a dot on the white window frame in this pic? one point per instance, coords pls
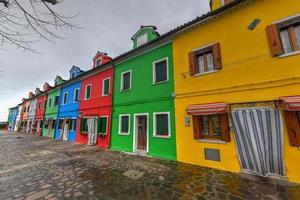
(104, 116)
(109, 78)
(140, 40)
(135, 135)
(154, 70)
(124, 90)
(155, 125)
(120, 125)
(85, 98)
(50, 102)
(99, 59)
(63, 102)
(77, 89)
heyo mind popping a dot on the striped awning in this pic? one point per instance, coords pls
(291, 103)
(207, 109)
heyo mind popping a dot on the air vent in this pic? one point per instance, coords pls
(212, 154)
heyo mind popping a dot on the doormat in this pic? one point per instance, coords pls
(133, 174)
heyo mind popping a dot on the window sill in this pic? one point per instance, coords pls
(124, 134)
(205, 73)
(289, 54)
(157, 83)
(163, 137)
(211, 141)
(127, 90)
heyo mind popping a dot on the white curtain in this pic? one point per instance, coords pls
(259, 138)
(92, 136)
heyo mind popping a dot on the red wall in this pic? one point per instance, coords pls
(39, 114)
(97, 105)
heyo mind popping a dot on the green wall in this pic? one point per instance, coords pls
(144, 97)
(51, 112)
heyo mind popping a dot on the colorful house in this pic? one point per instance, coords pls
(143, 97)
(40, 110)
(25, 113)
(12, 117)
(18, 118)
(50, 118)
(96, 104)
(237, 88)
(68, 107)
(32, 110)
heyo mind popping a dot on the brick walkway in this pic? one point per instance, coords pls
(32, 167)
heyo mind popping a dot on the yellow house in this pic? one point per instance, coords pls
(237, 86)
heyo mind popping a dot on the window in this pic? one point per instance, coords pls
(72, 124)
(65, 99)
(224, 2)
(106, 87)
(284, 36)
(54, 124)
(102, 126)
(88, 89)
(40, 103)
(143, 39)
(45, 104)
(124, 124)
(211, 127)
(160, 71)
(98, 62)
(56, 100)
(126, 81)
(83, 125)
(46, 123)
(60, 123)
(41, 124)
(292, 120)
(76, 95)
(162, 124)
(205, 60)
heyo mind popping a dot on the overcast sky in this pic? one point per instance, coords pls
(107, 26)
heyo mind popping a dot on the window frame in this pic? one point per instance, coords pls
(50, 102)
(109, 87)
(104, 116)
(76, 101)
(56, 103)
(139, 39)
(209, 134)
(120, 124)
(154, 82)
(201, 52)
(65, 99)
(85, 92)
(155, 125)
(96, 61)
(122, 84)
(83, 118)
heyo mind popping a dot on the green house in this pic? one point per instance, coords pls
(143, 101)
(52, 109)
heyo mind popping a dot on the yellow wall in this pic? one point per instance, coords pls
(249, 74)
(216, 4)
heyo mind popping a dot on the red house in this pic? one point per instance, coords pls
(40, 110)
(96, 105)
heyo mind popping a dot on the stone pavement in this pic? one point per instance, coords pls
(33, 167)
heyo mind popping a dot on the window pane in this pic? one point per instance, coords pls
(88, 92)
(126, 81)
(54, 124)
(56, 100)
(285, 41)
(162, 124)
(65, 98)
(161, 71)
(200, 62)
(216, 122)
(125, 124)
(210, 62)
(102, 123)
(205, 124)
(297, 31)
(76, 95)
(106, 87)
(50, 102)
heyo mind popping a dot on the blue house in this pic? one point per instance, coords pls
(13, 113)
(68, 108)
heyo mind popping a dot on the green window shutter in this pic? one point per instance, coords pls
(126, 81)
(88, 92)
(106, 87)
(161, 71)
(82, 124)
(162, 124)
(124, 124)
(102, 125)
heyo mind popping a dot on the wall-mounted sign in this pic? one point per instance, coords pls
(187, 121)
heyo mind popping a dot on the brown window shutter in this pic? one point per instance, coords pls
(217, 56)
(292, 123)
(197, 125)
(192, 63)
(274, 40)
(225, 128)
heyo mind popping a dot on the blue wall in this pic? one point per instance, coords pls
(70, 109)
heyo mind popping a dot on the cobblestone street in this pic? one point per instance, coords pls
(32, 167)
